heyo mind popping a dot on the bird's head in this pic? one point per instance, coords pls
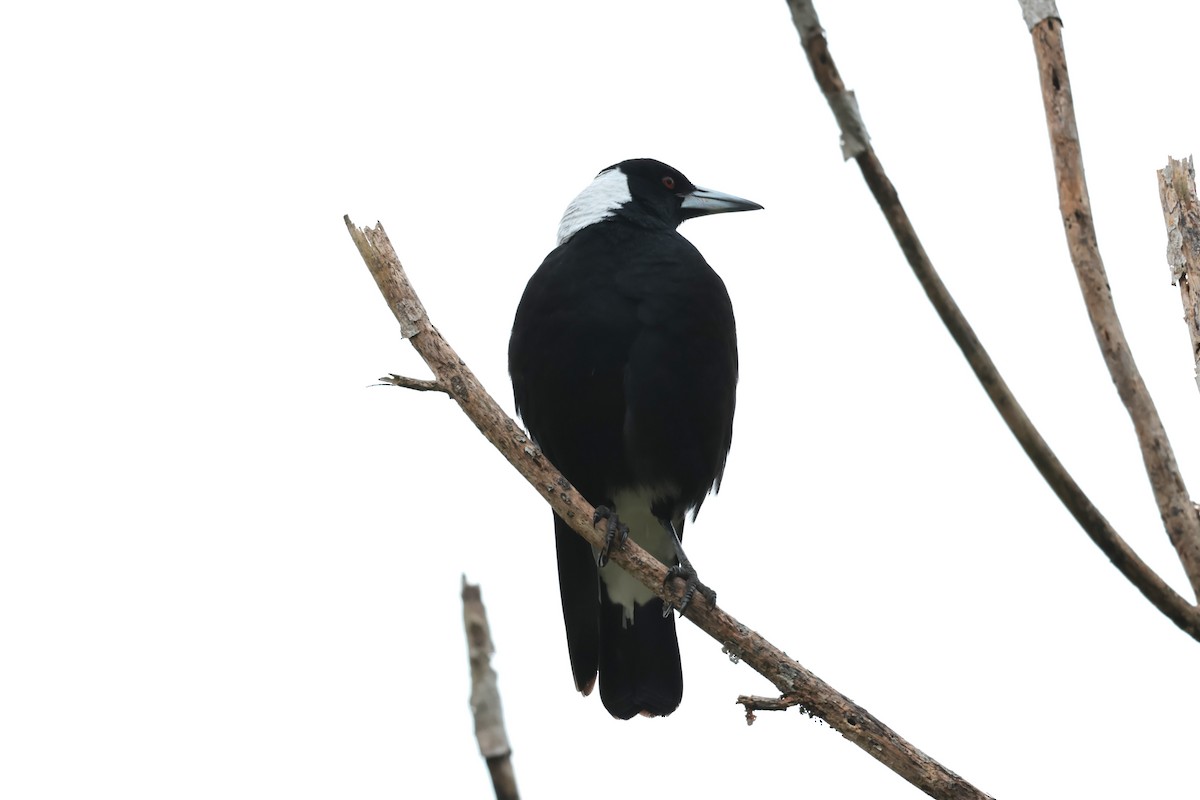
(646, 192)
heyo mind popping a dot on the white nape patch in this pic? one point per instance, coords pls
(633, 507)
(603, 196)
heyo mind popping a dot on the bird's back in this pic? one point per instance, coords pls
(624, 363)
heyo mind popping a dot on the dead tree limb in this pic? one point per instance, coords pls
(1174, 503)
(1181, 213)
(819, 698)
(856, 145)
(485, 695)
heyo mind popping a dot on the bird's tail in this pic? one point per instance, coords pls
(640, 672)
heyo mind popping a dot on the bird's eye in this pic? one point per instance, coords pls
(668, 182)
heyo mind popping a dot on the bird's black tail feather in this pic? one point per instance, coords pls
(579, 586)
(640, 672)
(639, 666)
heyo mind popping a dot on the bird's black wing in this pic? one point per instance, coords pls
(681, 377)
(567, 356)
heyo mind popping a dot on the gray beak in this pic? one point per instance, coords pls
(709, 201)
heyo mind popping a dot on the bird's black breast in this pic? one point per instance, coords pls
(624, 363)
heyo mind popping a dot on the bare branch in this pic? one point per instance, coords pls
(1181, 212)
(821, 699)
(485, 695)
(1170, 493)
(1161, 595)
(416, 384)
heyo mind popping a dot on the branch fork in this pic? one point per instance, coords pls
(753, 702)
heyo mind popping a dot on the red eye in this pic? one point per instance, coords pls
(668, 182)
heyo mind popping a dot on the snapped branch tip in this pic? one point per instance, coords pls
(416, 384)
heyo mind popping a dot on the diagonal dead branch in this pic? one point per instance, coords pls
(819, 698)
(1170, 493)
(1157, 591)
(1181, 213)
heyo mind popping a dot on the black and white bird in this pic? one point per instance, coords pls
(624, 366)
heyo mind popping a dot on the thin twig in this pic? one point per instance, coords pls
(485, 695)
(416, 384)
(753, 702)
(1161, 595)
(1181, 213)
(1170, 493)
(821, 699)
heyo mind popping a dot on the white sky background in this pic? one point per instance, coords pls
(231, 569)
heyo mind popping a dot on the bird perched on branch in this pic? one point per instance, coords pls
(624, 366)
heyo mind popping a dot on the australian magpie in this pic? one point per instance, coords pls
(624, 366)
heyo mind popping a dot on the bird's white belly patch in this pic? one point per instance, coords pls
(633, 507)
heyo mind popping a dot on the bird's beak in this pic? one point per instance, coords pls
(702, 201)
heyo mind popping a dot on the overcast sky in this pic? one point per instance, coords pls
(231, 568)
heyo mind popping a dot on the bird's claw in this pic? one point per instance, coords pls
(616, 531)
(687, 573)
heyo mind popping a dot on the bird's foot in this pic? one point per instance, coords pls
(691, 582)
(616, 532)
